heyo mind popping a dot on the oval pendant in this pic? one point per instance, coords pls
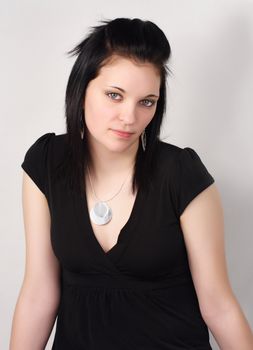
(101, 213)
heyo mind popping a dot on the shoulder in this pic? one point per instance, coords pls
(60, 140)
(45, 145)
(169, 148)
(171, 156)
(59, 145)
(42, 155)
(173, 151)
(186, 174)
(180, 158)
(168, 152)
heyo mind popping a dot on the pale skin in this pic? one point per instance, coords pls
(38, 299)
(202, 224)
(202, 221)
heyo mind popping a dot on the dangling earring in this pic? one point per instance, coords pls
(143, 140)
(82, 125)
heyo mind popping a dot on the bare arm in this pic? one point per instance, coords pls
(38, 300)
(203, 228)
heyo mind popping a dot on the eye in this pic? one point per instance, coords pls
(149, 103)
(112, 95)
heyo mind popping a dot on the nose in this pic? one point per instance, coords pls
(128, 114)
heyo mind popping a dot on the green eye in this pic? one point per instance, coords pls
(112, 95)
(149, 103)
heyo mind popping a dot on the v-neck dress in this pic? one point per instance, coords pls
(140, 293)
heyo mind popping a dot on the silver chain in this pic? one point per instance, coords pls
(111, 197)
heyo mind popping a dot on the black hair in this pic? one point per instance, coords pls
(140, 40)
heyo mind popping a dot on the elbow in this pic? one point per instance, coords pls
(213, 309)
(44, 300)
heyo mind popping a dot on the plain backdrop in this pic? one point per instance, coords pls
(209, 108)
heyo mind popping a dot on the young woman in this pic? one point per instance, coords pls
(124, 232)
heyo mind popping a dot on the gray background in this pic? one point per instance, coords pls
(209, 109)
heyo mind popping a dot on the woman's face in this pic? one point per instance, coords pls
(122, 97)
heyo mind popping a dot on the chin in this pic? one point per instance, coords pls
(118, 146)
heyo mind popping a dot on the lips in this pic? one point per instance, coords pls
(123, 134)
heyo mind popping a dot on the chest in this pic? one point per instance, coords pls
(143, 238)
(121, 207)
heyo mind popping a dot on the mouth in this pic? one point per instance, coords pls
(122, 133)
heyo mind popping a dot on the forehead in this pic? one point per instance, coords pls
(128, 71)
(117, 62)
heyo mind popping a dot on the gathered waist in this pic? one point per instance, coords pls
(123, 281)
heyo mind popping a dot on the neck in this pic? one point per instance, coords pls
(109, 165)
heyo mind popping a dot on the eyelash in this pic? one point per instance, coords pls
(115, 93)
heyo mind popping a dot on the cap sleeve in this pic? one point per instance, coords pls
(35, 162)
(190, 178)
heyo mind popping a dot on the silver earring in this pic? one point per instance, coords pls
(143, 140)
(82, 125)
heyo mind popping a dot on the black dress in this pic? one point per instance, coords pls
(139, 294)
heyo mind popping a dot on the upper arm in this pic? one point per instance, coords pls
(202, 224)
(42, 267)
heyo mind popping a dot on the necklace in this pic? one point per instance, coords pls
(101, 213)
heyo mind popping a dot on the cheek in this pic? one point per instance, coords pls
(145, 117)
(98, 113)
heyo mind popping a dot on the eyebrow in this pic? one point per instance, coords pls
(150, 95)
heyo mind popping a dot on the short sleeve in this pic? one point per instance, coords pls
(190, 178)
(35, 162)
